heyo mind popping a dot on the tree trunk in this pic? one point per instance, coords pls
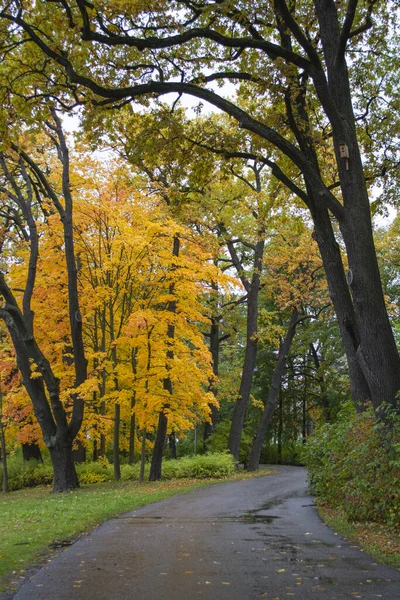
(103, 441)
(304, 417)
(116, 459)
(239, 411)
(172, 444)
(3, 448)
(326, 408)
(270, 404)
(142, 457)
(79, 453)
(132, 424)
(31, 452)
(342, 302)
(214, 349)
(376, 351)
(65, 478)
(53, 421)
(280, 426)
(95, 453)
(156, 459)
(132, 432)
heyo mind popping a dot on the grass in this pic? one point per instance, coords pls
(381, 541)
(33, 519)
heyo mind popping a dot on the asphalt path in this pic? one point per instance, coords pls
(260, 538)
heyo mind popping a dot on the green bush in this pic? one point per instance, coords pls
(354, 464)
(94, 472)
(32, 473)
(26, 474)
(202, 466)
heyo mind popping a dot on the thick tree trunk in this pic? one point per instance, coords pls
(156, 459)
(53, 421)
(65, 478)
(273, 392)
(376, 351)
(342, 302)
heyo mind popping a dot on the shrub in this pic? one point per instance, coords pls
(22, 475)
(354, 464)
(94, 472)
(202, 466)
(27, 474)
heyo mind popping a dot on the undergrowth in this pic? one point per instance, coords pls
(29, 474)
(354, 465)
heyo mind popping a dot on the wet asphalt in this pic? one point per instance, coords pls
(259, 538)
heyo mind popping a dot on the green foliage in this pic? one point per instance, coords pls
(94, 472)
(354, 464)
(203, 466)
(26, 474)
(291, 454)
(218, 441)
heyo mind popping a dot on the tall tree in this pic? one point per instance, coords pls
(26, 186)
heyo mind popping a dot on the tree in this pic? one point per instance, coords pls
(294, 283)
(131, 273)
(25, 188)
(293, 65)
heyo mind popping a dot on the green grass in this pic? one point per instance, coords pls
(379, 540)
(32, 519)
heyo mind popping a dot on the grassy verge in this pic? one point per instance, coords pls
(381, 541)
(32, 520)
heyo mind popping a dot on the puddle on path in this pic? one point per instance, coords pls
(252, 518)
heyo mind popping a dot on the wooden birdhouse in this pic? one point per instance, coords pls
(344, 154)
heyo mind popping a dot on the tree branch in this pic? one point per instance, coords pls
(346, 29)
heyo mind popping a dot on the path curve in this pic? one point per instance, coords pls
(259, 538)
